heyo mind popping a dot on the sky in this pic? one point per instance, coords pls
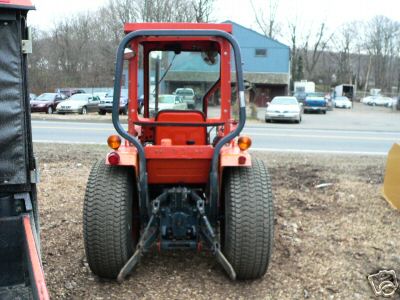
(309, 13)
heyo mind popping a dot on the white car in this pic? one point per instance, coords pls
(342, 102)
(79, 103)
(101, 95)
(377, 100)
(284, 108)
(167, 102)
(188, 96)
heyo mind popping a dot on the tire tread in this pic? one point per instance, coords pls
(249, 219)
(107, 219)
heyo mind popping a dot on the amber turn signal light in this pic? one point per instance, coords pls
(114, 141)
(244, 143)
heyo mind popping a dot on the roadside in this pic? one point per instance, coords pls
(361, 117)
(327, 239)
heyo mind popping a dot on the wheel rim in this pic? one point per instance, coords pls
(50, 110)
(84, 111)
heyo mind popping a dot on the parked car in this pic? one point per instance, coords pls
(101, 95)
(167, 102)
(47, 102)
(300, 96)
(367, 99)
(284, 108)
(70, 92)
(316, 103)
(105, 105)
(377, 100)
(188, 96)
(32, 96)
(79, 103)
(342, 102)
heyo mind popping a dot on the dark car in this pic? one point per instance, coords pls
(47, 102)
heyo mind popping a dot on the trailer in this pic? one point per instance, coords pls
(347, 90)
(21, 273)
(304, 86)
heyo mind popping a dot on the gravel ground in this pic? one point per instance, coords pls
(327, 240)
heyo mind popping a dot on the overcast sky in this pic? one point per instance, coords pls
(308, 12)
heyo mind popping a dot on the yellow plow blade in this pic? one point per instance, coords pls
(391, 184)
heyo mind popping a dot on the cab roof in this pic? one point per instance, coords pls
(128, 27)
(17, 4)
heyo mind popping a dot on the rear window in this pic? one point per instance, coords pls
(184, 92)
(284, 101)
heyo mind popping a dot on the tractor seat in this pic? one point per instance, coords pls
(181, 135)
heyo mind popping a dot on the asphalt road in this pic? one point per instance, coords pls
(266, 137)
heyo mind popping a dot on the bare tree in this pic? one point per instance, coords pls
(345, 42)
(314, 47)
(266, 18)
(296, 59)
(382, 37)
(202, 10)
(80, 50)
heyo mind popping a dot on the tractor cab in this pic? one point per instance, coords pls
(182, 80)
(183, 177)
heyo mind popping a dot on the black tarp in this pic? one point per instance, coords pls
(14, 130)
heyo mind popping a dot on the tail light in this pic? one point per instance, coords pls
(242, 160)
(113, 158)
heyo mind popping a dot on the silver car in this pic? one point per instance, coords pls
(79, 103)
(284, 108)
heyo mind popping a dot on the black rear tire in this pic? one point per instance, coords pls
(102, 112)
(110, 235)
(247, 230)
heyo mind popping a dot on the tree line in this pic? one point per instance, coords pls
(80, 50)
(364, 53)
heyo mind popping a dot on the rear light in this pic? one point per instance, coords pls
(114, 141)
(244, 143)
(113, 158)
(242, 160)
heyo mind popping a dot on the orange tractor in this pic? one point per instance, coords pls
(183, 177)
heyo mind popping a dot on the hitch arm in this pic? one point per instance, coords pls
(211, 238)
(146, 240)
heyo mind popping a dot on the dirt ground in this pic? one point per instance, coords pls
(327, 240)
